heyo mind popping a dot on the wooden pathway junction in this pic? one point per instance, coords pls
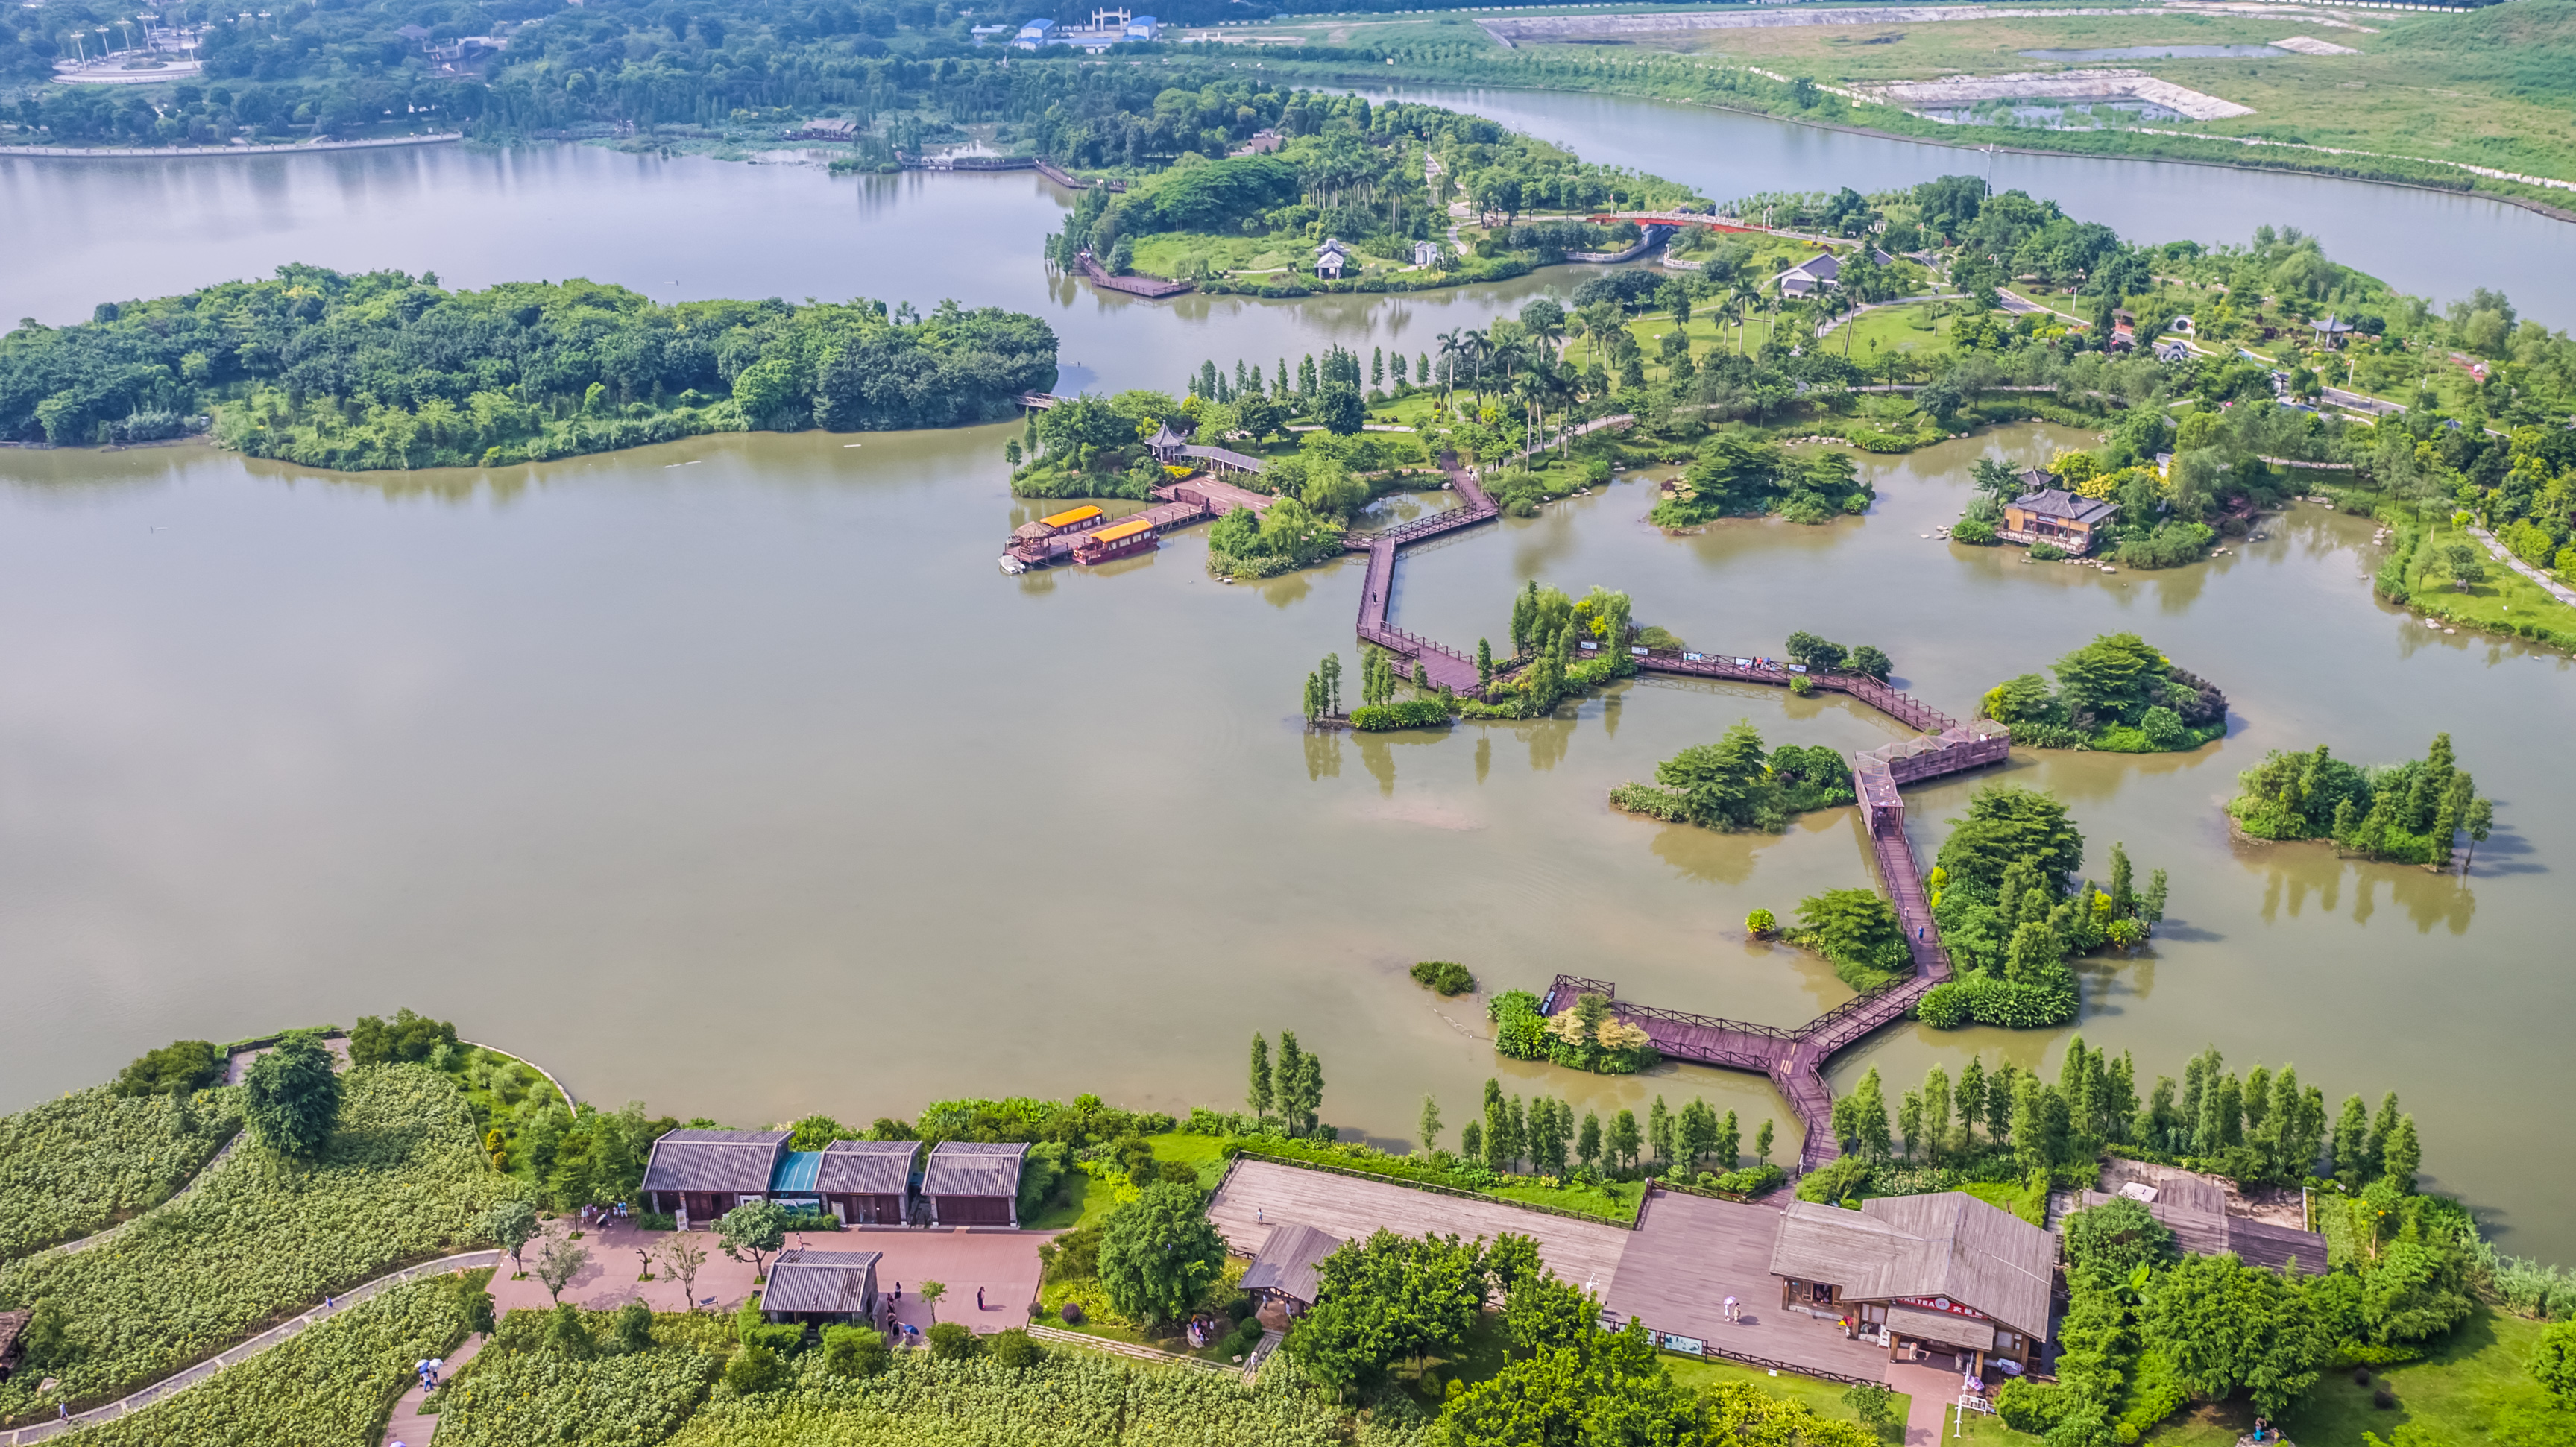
(1794, 1058)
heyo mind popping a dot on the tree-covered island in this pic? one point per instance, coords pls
(2115, 694)
(2411, 812)
(388, 370)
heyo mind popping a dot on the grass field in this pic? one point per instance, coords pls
(2494, 88)
(2475, 1389)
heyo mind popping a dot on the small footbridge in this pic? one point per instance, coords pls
(1794, 1057)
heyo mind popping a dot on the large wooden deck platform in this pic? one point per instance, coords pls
(1259, 1195)
(1688, 1254)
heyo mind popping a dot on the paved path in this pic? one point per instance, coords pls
(274, 1336)
(2555, 589)
(1689, 1254)
(1929, 1392)
(409, 1426)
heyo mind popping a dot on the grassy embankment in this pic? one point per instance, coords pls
(2496, 88)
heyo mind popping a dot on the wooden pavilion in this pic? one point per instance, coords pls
(1943, 1273)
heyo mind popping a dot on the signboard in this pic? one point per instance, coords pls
(1942, 1304)
(1587, 645)
(1797, 668)
(1692, 1345)
(1690, 658)
(1640, 652)
(1744, 663)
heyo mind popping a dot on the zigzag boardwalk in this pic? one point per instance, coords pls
(1794, 1058)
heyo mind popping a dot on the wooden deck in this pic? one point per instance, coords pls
(1443, 665)
(1794, 1057)
(1259, 1195)
(1150, 287)
(1689, 1254)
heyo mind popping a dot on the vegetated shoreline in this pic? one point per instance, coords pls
(2466, 189)
(254, 148)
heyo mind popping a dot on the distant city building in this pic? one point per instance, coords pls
(1035, 34)
(983, 33)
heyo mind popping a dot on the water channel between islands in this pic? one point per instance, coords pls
(749, 787)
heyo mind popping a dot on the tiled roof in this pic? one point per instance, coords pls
(2052, 502)
(973, 1168)
(714, 1160)
(1949, 1244)
(1288, 1260)
(839, 1281)
(867, 1168)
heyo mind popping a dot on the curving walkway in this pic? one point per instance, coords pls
(1794, 1058)
(274, 1336)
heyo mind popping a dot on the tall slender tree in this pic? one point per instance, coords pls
(1587, 1143)
(1264, 1093)
(1428, 1126)
(1972, 1098)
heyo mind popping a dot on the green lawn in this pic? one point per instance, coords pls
(2027, 1200)
(2504, 599)
(1825, 1397)
(2475, 1390)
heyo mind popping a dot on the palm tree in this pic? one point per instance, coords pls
(1450, 350)
(1742, 295)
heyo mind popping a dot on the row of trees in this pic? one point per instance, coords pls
(1293, 1087)
(2008, 1123)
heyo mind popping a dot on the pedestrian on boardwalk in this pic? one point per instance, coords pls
(979, 1299)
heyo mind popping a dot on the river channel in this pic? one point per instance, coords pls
(731, 776)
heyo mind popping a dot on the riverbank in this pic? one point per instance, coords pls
(256, 148)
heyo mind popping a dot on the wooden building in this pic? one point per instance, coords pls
(2054, 515)
(1284, 1271)
(695, 1176)
(868, 1183)
(974, 1183)
(2196, 1212)
(1943, 1274)
(825, 1288)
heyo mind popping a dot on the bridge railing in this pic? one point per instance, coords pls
(1572, 987)
(1712, 1022)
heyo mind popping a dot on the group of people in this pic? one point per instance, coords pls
(1205, 1331)
(597, 1215)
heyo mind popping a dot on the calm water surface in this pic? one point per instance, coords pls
(731, 776)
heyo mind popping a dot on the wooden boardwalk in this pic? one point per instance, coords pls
(1150, 287)
(1443, 665)
(1795, 1057)
(1689, 1254)
(1258, 1196)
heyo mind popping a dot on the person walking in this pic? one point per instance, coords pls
(1731, 1305)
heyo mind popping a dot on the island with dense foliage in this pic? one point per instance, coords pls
(2116, 694)
(388, 370)
(2004, 890)
(1734, 785)
(2411, 812)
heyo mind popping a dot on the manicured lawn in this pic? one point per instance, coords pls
(2029, 1202)
(2475, 1389)
(2505, 598)
(1825, 1397)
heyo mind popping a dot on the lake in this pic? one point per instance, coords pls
(733, 777)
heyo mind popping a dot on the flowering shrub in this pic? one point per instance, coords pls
(402, 1179)
(330, 1387)
(72, 1166)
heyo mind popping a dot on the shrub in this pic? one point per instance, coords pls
(1071, 1313)
(1412, 713)
(855, 1351)
(757, 1369)
(1975, 532)
(1017, 1349)
(1444, 977)
(1761, 922)
(1858, 930)
(784, 1338)
(1832, 1182)
(953, 1341)
(183, 1068)
(409, 1037)
(1670, 805)
(2043, 552)
(1750, 1181)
